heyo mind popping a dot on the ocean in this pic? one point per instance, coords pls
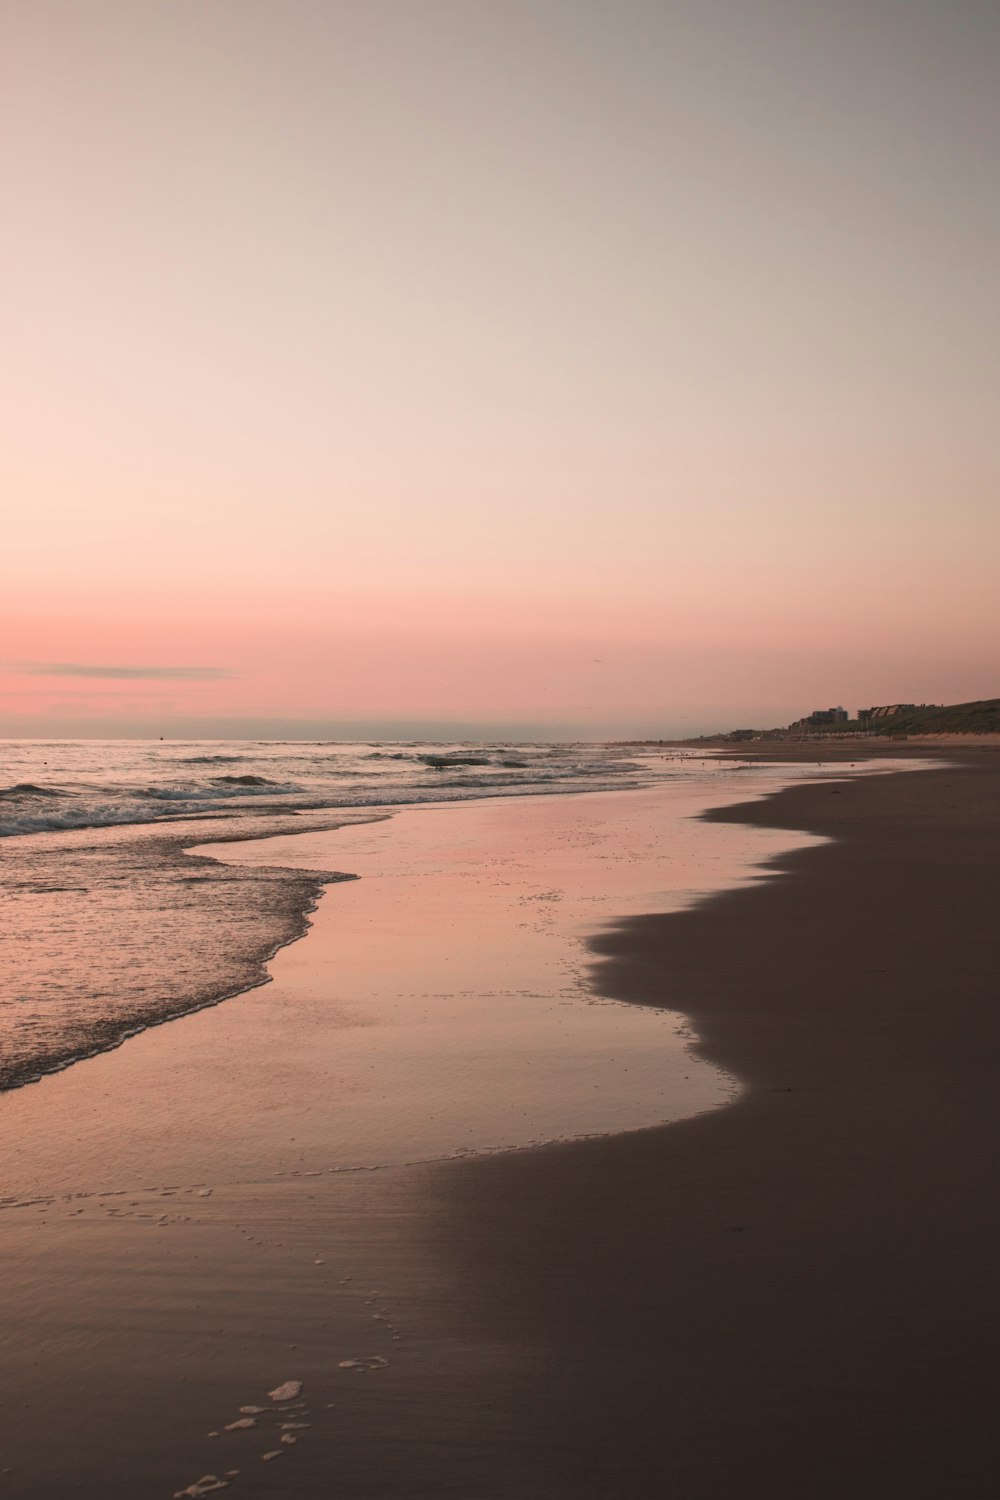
(109, 926)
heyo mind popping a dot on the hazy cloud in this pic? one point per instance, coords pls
(80, 669)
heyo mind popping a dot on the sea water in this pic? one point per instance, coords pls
(109, 925)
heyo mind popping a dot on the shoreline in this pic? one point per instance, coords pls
(788, 1295)
(204, 1197)
(794, 1295)
(177, 842)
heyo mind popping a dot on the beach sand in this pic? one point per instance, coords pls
(221, 1204)
(791, 1295)
(798, 1295)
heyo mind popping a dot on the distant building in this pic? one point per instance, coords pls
(889, 710)
(821, 718)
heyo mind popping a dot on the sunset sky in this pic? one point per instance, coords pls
(545, 365)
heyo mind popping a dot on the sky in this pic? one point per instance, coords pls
(540, 366)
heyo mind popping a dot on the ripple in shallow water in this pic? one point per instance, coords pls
(108, 933)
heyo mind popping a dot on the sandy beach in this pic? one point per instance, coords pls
(244, 1196)
(791, 1294)
(500, 750)
(797, 1295)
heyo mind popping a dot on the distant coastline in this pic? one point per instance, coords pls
(977, 723)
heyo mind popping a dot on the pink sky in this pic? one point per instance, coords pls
(624, 370)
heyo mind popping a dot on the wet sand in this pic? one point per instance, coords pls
(792, 1295)
(220, 1205)
(798, 1295)
(439, 1003)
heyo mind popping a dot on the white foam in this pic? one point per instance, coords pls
(204, 1486)
(286, 1392)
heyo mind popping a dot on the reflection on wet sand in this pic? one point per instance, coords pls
(224, 1195)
